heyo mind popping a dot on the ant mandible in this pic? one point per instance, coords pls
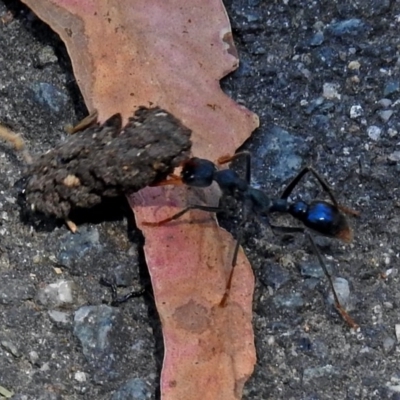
(320, 216)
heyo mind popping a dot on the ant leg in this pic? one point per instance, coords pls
(287, 229)
(286, 193)
(184, 211)
(349, 211)
(283, 229)
(171, 180)
(234, 261)
(341, 310)
(115, 300)
(247, 155)
(86, 122)
(289, 189)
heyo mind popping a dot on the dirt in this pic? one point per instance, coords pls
(106, 161)
(324, 79)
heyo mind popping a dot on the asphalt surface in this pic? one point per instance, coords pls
(324, 79)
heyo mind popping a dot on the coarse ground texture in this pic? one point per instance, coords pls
(324, 78)
(106, 161)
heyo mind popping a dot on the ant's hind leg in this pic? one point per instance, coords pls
(340, 309)
(290, 187)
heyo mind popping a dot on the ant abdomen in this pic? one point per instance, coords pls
(322, 217)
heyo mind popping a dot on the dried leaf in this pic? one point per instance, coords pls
(172, 54)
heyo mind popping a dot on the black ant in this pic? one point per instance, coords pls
(325, 218)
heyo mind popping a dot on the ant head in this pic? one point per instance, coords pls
(198, 172)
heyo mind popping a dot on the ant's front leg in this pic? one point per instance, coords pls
(172, 179)
(184, 211)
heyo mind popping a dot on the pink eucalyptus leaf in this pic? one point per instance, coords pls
(172, 53)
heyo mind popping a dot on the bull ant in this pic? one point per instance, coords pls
(325, 218)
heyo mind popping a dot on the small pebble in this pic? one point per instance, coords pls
(57, 294)
(96, 328)
(289, 301)
(385, 103)
(46, 56)
(374, 132)
(37, 259)
(33, 357)
(10, 347)
(49, 96)
(317, 39)
(349, 27)
(394, 157)
(397, 330)
(73, 246)
(80, 376)
(283, 150)
(14, 291)
(354, 65)
(45, 367)
(251, 17)
(385, 115)
(312, 270)
(59, 316)
(391, 87)
(392, 132)
(275, 276)
(134, 389)
(123, 275)
(330, 91)
(314, 104)
(356, 111)
(326, 371)
(342, 289)
(388, 344)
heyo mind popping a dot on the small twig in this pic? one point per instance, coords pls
(16, 141)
